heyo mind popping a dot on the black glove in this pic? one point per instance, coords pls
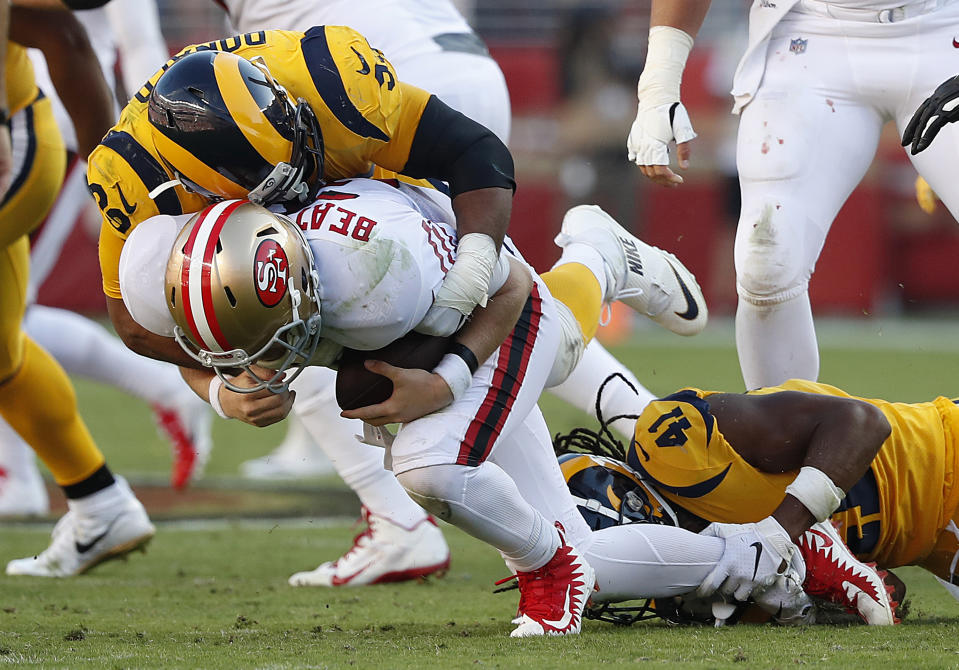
(937, 110)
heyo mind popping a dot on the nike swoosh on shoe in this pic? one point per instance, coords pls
(692, 307)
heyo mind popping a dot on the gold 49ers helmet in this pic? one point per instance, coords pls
(227, 129)
(242, 288)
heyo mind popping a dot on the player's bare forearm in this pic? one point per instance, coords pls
(489, 326)
(686, 15)
(485, 210)
(786, 431)
(74, 69)
(142, 341)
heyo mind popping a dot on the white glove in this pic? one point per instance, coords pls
(466, 285)
(661, 117)
(654, 128)
(754, 555)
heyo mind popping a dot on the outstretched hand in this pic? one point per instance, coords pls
(416, 393)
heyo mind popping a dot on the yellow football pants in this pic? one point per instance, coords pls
(36, 397)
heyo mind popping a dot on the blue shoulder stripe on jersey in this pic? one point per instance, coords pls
(27, 165)
(329, 84)
(689, 397)
(147, 168)
(697, 490)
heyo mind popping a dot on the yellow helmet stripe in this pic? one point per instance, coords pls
(243, 108)
(189, 165)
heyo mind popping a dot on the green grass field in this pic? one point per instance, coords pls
(213, 593)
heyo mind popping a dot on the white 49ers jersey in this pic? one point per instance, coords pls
(382, 248)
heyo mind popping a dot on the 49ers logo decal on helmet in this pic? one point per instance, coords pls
(270, 272)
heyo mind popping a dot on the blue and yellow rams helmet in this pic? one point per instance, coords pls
(609, 493)
(227, 129)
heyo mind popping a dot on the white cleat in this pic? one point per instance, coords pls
(82, 541)
(553, 597)
(384, 552)
(834, 574)
(298, 456)
(23, 493)
(187, 424)
(649, 280)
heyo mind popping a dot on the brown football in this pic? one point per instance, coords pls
(358, 387)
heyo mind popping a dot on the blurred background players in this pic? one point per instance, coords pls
(816, 85)
(80, 345)
(104, 519)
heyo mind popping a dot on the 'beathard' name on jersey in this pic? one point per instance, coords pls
(382, 248)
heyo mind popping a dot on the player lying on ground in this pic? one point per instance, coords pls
(702, 450)
(243, 287)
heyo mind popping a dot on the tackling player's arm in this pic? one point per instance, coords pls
(789, 430)
(661, 116)
(142, 341)
(74, 68)
(417, 393)
(477, 165)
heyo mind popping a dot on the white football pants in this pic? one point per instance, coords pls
(805, 142)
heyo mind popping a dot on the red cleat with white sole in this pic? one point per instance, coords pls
(553, 597)
(187, 426)
(834, 574)
(384, 552)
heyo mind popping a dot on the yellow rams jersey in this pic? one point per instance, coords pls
(895, 515)
(21, 84)
(368, 119)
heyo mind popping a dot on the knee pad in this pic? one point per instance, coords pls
(436, 486)
(570, 348)
(772, 262)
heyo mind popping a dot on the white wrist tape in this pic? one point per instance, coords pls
(467, 283)
(456, 373)
(214, 393)
(814, 489)
(665, 61)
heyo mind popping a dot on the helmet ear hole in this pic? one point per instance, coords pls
(230, 296)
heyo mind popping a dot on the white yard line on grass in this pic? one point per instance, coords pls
(900, 334)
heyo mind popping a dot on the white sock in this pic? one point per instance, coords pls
(484, 502)
(582, 387)
(649, 561)
(85, 348)
(776, 342)
(360, 465)
(584, 254)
